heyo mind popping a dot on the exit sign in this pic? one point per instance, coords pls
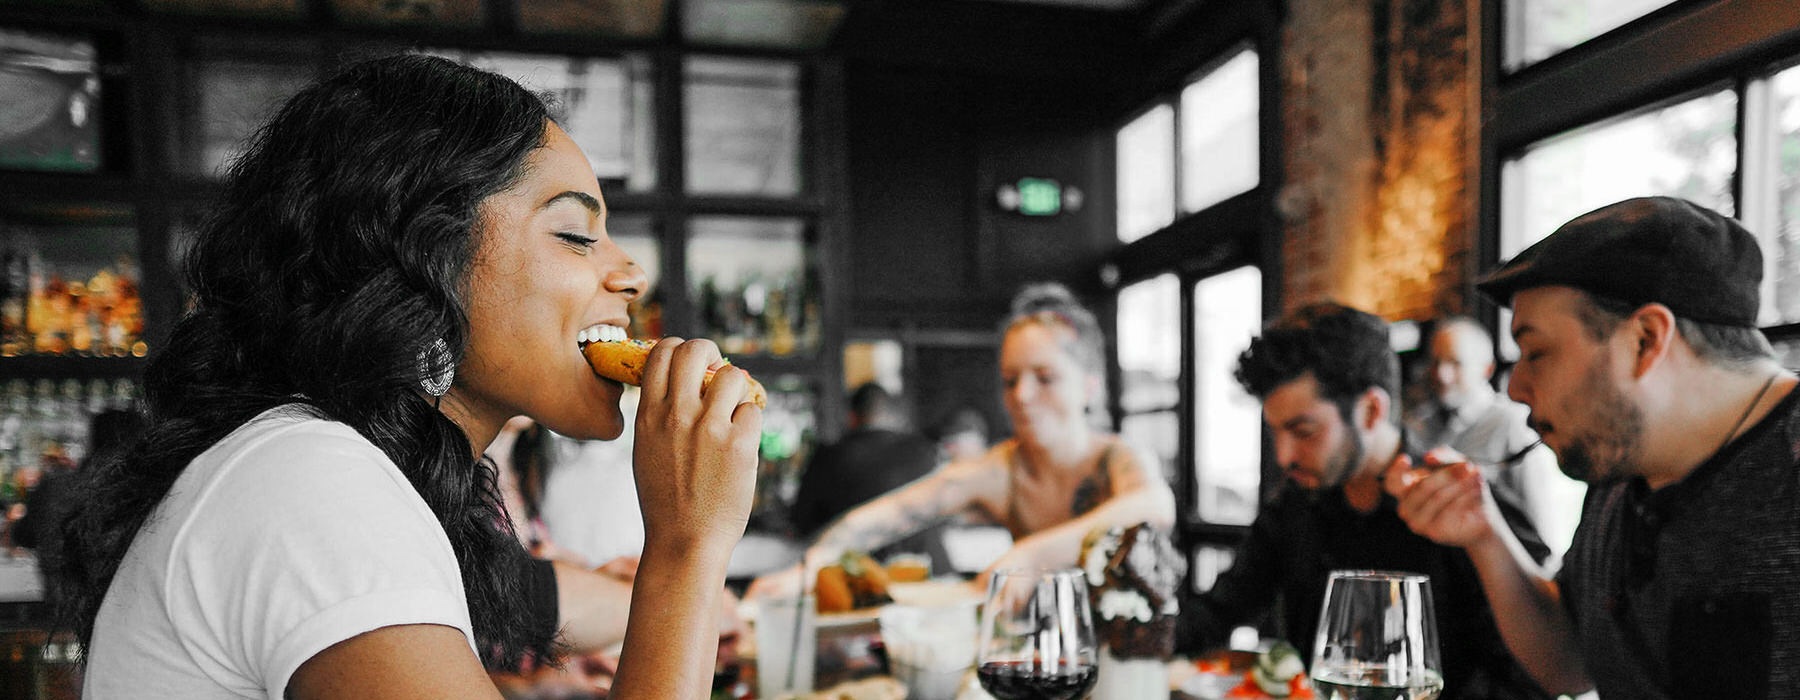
(1039, 197)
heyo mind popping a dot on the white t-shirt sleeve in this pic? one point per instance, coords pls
(309, 537)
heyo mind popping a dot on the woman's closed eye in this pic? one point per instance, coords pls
(577, 240)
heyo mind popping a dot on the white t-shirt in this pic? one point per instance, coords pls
(288, 536)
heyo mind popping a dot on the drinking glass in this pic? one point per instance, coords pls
(787, 643)
(1377, 638)
(1036, 640)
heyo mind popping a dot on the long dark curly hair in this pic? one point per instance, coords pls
(338, 252)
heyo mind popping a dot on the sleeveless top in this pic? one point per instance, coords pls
(1093, 491)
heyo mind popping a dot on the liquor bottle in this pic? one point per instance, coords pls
(13, 293)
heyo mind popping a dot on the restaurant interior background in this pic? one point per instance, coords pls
(845, 190)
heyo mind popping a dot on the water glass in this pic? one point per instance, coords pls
(787, 643)
(1377, 638)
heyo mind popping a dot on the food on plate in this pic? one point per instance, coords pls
(1278, 669)
(907, 568)
(622, 360)
(1132, 575)
(873, 688)
(856, 580)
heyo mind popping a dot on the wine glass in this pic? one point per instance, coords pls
(1037, 636)
(1377, 638)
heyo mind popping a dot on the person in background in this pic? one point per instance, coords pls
(879, 453)
(1328, 382)
(405, 257)
(1053, 482)
(963, 436)
(109, 432)
(1464, 413)
(1642, 364)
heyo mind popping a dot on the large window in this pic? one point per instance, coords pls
(1191, 150)
(1732, 145)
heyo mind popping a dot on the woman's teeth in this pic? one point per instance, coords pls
(600, 332)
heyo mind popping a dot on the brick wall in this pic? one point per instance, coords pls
(1378, 201)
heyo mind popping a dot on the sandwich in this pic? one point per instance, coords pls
(622, 360)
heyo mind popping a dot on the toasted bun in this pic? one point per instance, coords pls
(623, 361)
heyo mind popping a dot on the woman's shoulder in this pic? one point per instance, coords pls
(290, 453)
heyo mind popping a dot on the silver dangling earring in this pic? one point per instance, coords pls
(436, 368)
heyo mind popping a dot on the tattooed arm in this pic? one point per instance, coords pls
(957, 488)
(911, 508)
(1139, 494)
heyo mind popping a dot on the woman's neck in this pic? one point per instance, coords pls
(1067, 451)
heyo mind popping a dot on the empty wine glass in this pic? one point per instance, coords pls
(1037, 636)
(1377, 638)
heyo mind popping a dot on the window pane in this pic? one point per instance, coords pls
(1159, 432)
(230, 100)
(1539, 29)
(50, 89)
(1220, 141)
(1150, 344)
(743, 127)
(1781, 238)
(1146, 165)
(604, 105)
(754, 284)
(1685, 150)
(1227, 421)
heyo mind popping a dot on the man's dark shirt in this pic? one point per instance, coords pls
(1693, 590)
(1300, 537)
(866, 463)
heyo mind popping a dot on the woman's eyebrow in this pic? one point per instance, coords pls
(584, 198)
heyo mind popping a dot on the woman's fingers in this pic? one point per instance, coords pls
(655, 384)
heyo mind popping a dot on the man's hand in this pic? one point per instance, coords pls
(1444, 501)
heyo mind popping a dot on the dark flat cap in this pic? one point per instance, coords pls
(1701, 264)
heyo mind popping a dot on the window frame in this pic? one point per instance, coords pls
(1242, 230)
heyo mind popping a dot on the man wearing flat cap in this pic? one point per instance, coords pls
(1644, 371)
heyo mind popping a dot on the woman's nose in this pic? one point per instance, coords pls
(629, 281)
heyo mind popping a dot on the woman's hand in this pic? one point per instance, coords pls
(695, 454)
(785, 583)
(1024, 554)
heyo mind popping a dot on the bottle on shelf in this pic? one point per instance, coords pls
(46, 311)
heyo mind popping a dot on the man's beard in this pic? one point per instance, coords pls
(1340, 465)
(1602, 454)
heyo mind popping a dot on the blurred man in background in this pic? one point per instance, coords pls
(1465, 413)
(879, 453)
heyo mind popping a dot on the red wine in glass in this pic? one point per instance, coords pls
(1036, 640)
(1019, 680)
